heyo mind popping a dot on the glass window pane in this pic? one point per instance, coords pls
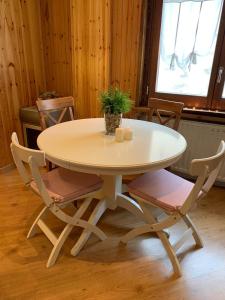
(188, 39)
(223, 94)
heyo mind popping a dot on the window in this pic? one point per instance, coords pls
(185, 52)
(223, 95)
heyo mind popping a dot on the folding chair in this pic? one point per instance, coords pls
(175, 196)
(57, 188)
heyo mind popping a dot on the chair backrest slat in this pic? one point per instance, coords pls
(170, 109)
(21, 157)
(139, 112)
(47, 109)
(197, 165)
(56, 103)
(35, 159)
(206, 170)
(39, 181)
(71, 113)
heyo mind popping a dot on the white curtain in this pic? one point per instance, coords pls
(188, 31)
(223, 94)
(188, 39)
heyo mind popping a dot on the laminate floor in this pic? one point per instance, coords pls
(107, 270)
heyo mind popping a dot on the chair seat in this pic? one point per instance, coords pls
(65, 185)
(162, 189)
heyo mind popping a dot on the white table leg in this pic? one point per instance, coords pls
(113, 197)
(112, 191)
(111, 187)
(130, 205)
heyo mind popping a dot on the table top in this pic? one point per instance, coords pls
(82, 145)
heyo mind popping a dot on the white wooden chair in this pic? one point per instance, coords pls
(55, 111)
(175, 196)
(49, 107)
(171, 112)
(57, 188)
(172, 109)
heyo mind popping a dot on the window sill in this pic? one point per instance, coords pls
(203, 115)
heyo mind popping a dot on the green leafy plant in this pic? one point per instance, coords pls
(115, 101)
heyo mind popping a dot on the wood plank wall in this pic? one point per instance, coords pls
(91, 53)
(126, 45)
(106, 49)
(22, 74)
(77, 47)
(57, 48)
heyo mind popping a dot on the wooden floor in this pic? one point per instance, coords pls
(107, 270)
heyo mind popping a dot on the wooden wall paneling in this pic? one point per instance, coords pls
(116, 38)
(8, 77)
(56, 32)
(4, 107)
(79, 60)
(25, 54)
(126, 50)
(137, 44)
(72, 46)
(92, 63)
(36, 40)
(99, 51)
(91, 33)
(21, 73)
(142, 48)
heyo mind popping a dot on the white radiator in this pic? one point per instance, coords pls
(202, 141)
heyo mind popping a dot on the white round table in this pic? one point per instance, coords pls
(82, 145)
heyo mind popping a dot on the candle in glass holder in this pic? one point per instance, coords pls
(119, 134)
(128, 134)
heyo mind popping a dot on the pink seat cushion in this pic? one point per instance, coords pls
(162, 188)
(64, 185)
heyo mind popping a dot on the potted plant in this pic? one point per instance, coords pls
(114, 103)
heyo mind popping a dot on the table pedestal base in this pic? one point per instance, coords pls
(111, 198)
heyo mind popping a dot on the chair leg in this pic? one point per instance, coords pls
(65, 233)
(171, 253)
(165, 242)
(195, 233)
(58, 245)
(164, 239)
(161, 234)
(34, 226)
(166, 231)
(49, 165)
(135, 232)
(148, 217)
(93, 219)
